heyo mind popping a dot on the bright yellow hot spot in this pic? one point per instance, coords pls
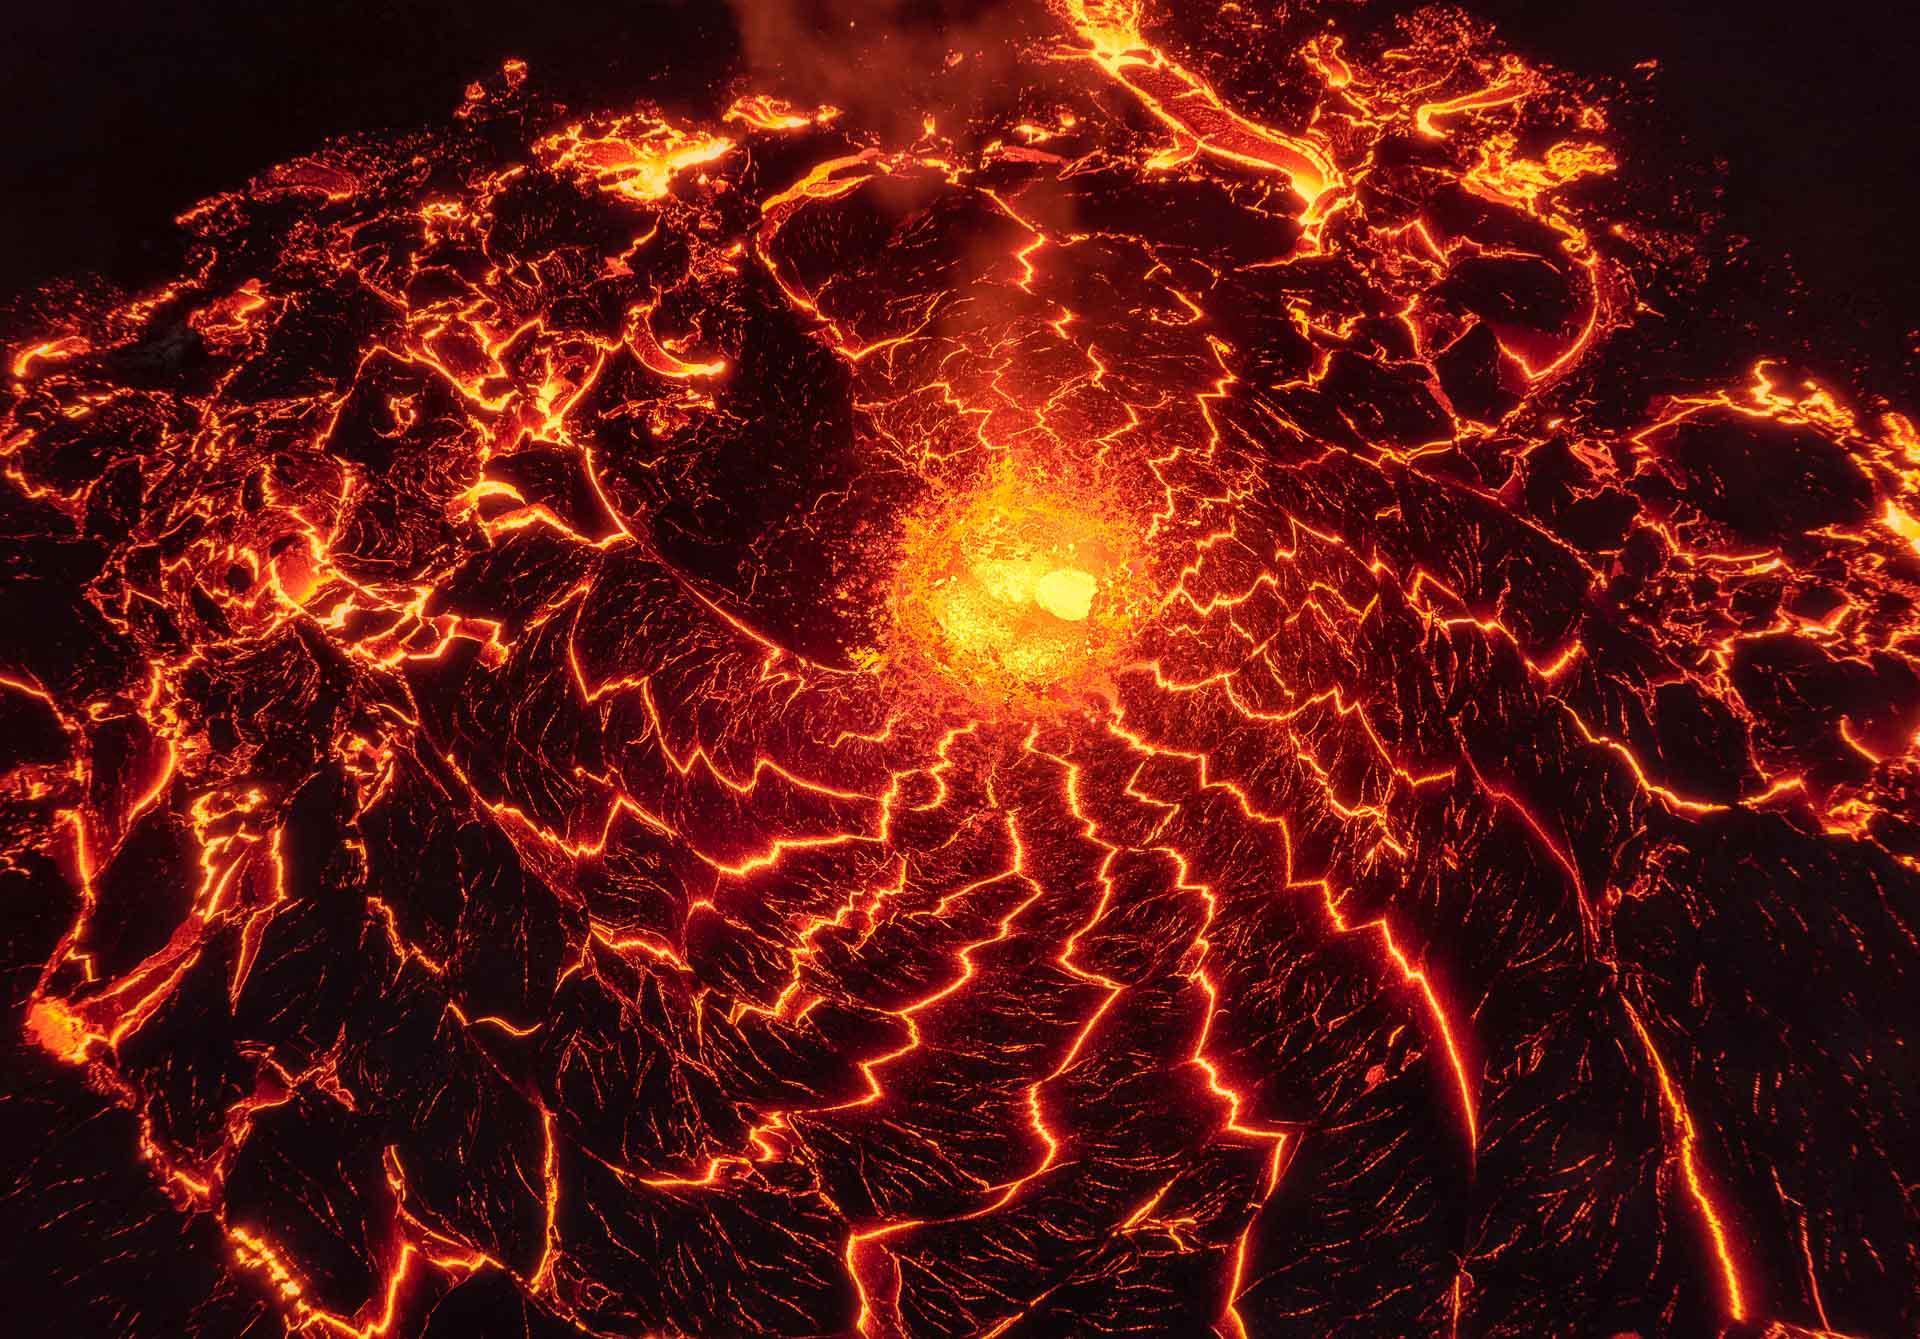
(1017, 591)
(1066, 592)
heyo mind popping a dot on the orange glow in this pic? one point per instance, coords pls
(1018, 591)
(58, 1030)
(633, 156)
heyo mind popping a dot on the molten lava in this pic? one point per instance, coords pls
(1018, 592)
(1215, 690)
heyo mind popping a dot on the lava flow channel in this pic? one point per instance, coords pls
(1199, 704)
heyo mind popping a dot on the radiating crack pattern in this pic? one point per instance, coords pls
(1169, 711)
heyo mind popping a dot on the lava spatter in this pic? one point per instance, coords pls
(1207, 693)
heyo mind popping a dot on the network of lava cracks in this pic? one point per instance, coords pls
(1151, 715)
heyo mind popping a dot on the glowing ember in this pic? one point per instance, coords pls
(52, 1026)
